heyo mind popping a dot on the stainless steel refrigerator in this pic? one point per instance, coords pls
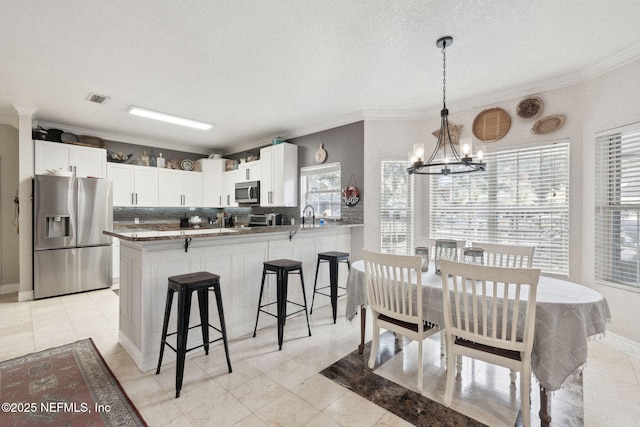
(70, 252)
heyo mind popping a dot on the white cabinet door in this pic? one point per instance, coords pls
(88, 161)
(123, 177)
(279, 186)
(229, 180)
(192, 188)
(83, 161)
(178, 188)
(169, 188)
(146, 186)
(266, 184)
(250, 171)
(50, 155)
(133, 185)
(212, 170)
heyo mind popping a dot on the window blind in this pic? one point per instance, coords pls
(396, 208)
(321, 187)
(523, 197)
(617, 204)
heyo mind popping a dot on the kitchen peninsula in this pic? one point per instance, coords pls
(149, 256)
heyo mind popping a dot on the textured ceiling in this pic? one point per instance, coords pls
(259, 69)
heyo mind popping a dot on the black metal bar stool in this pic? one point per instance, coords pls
(333, 258)
(281, 268)
(185, 285)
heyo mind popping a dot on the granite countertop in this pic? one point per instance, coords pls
(169, 231)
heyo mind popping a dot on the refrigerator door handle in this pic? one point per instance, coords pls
(136, 198)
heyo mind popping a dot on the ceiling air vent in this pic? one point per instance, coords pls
(98, 99)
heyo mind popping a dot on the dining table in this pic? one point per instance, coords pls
(567, 315)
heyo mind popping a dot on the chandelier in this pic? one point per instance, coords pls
(445, 158)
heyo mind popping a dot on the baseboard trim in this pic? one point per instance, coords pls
(622, 344)
(9, 288)
(25, 296)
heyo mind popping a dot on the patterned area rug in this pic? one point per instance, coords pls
(64, 386)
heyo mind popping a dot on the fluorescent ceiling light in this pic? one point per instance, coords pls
(169, 118)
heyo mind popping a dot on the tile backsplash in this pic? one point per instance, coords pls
(127, 215)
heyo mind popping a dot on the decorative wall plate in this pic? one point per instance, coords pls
(186, 165)
(321, 154)
(548, 124)
(491, 125)
(529, 108)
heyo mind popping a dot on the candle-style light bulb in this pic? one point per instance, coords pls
(418, 152)
(466, 146)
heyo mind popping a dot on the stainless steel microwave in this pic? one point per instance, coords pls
(248, 193)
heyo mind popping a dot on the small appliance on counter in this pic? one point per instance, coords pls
(274, 219)
(265, 220)
(184, 221)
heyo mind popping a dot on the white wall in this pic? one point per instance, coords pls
(602, 103)
(9, 250)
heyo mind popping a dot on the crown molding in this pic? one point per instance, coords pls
(618, 59)
(24, 111)
(110, 136)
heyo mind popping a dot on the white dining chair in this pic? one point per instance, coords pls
(506, 255)
(489, 314)
(392, 281)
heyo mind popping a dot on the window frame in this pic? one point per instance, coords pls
(396, 209)
(617, 179)
(335, 193)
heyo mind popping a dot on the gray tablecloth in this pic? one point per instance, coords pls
(567, 314)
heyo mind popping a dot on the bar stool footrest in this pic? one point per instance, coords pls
(198, 346)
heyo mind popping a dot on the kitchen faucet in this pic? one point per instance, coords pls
(313, 214)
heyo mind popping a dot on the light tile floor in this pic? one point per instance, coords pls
(283, 388)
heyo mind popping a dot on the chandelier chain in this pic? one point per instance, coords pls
(444, 74)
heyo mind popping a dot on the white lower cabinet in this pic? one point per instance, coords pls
(238, 260)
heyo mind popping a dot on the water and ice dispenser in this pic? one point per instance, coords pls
(57, 226)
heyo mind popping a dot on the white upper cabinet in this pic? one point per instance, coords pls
(179, 188)
(250, 171)
(82, 161)
(133, 185)
(212, 170)
(229, 180)
(279, 184)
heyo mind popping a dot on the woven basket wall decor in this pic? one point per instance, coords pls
(491, 125)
